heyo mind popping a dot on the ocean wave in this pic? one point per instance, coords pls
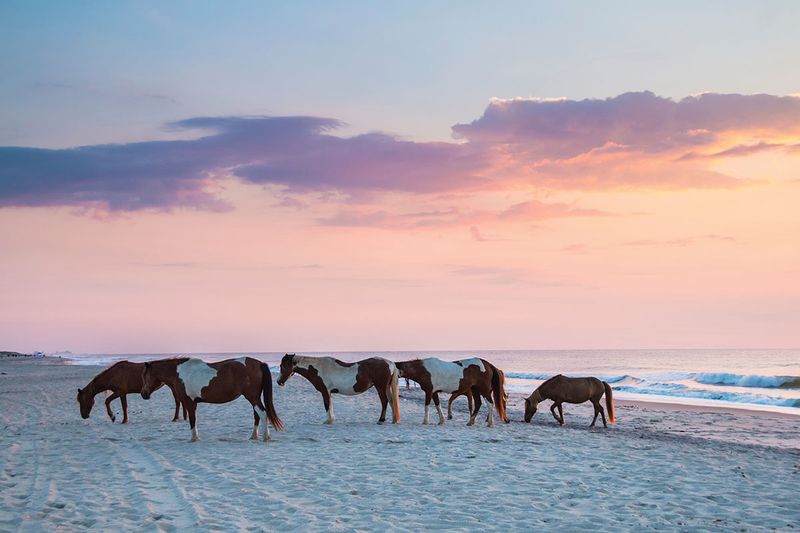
(682, 391)
(739, 380)
(542, 376)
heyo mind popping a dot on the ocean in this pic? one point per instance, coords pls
(756, 379)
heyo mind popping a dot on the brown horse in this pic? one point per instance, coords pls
(196, 381)
(472, 377)
(562, 389)
(121, 379)
(329, 376)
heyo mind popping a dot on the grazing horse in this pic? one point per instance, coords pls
(196, 381)
(121, 379)
(562, 389)
(329, 376)
(473, 377)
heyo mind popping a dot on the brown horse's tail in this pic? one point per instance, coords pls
(499, 392)
(266, 390)
(394, 394)
(609, 403)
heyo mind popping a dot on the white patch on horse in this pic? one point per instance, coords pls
(195, 374)
(333, 375)
(445, 375)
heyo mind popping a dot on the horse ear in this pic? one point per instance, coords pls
(79, 390)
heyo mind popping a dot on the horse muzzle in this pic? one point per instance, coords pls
(146, 394)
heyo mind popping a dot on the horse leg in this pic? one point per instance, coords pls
(598, 408)
(384, 402)
(553, 411)
(476, 396)
(256, 422)
(111, 398)
(450, 405)
(191, 406)
(327, 400)
(262, 412)
(561, 414)
(596, 412)
(490, 406)
(428, 396)
(177, 405)
(123, 399)
(438, 408)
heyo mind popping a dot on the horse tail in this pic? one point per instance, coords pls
(609, 403)
(266, 390)
(394, 393)
(498, 391)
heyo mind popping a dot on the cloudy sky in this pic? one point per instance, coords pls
(239, 176)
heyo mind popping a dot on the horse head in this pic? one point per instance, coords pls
(287, 368)
(531, 404)
(86, 401)
(147, 381)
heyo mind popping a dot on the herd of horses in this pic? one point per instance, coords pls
(194, 381)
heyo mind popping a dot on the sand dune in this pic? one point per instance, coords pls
(659, 468)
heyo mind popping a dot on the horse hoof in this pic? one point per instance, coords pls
(380, 422)
(441, 422)
(424, 422)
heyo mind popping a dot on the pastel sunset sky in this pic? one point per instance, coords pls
(308, 176)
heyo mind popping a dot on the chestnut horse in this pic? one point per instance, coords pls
(121, 379)
(562, 389)
(329, 376)
(196, 381)
(473, 377)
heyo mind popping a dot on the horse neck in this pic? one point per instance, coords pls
(539, 394)
(99, 383)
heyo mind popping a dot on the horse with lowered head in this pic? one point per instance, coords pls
(196, 381)
(121, 378)
(332, 376)
(474, 378)
(562, 389)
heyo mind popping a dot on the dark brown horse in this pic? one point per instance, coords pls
(329, 376)
(475, 378)
(196, 381)
(121, 379)
(562, 389)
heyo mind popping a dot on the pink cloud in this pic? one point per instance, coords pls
(629, 141)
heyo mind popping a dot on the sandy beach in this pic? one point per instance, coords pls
(661, 467)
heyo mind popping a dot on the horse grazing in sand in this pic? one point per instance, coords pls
(196, 381)
(121, 379)
(473, 377)
(562, 389)
(329, 376)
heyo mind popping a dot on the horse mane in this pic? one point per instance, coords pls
(108, 369)
(548, 380)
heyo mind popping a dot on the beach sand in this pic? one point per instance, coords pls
(661, 467)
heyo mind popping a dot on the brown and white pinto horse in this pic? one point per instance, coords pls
(561, 389)
(121, 379)
(196, 381)
(331, 376)
(474, 377)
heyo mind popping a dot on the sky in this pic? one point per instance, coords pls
(313, 176)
